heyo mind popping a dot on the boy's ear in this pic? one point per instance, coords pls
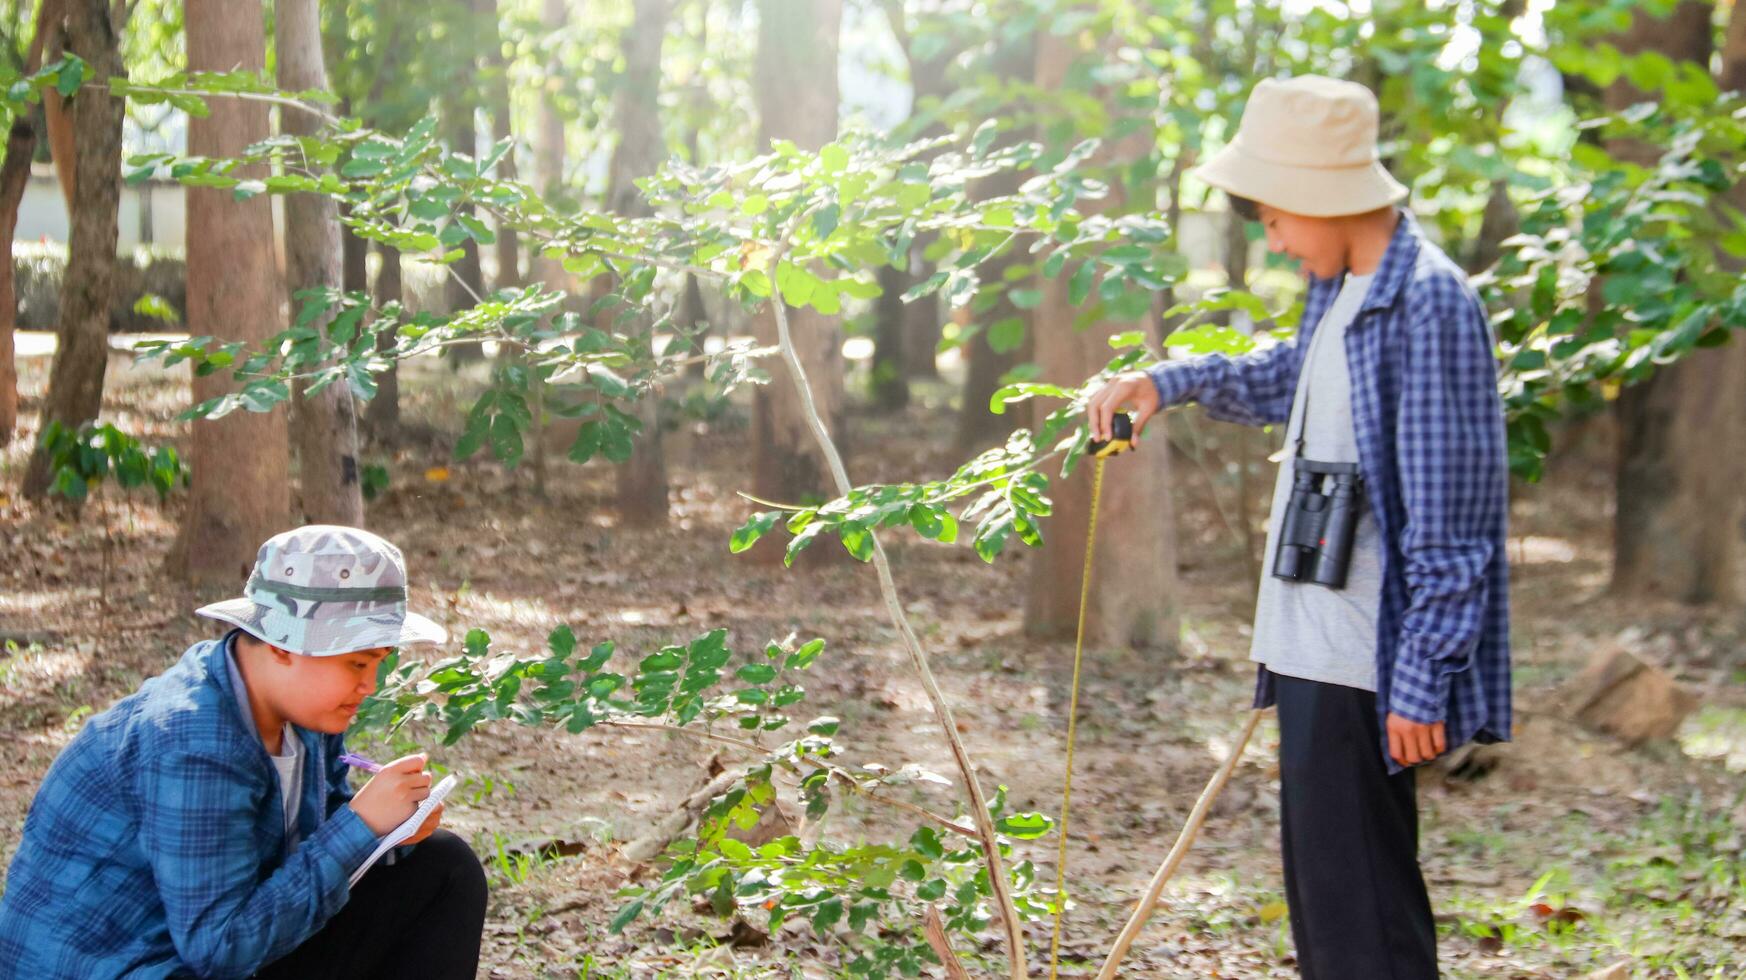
(280, 656)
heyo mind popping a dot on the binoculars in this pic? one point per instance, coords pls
(1319, 524)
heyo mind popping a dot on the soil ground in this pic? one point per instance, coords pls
(1571, 853)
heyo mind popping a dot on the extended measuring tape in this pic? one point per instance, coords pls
(1121, 431)
(1121, 440)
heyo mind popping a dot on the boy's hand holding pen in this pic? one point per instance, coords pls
(392, 793)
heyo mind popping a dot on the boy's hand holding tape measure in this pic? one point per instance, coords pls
(1131, 390)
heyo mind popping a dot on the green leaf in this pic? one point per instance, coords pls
(476, 228)
(625, 916)
(833, 158)
(1006, 336)
(825, 221)
(1079, 287)
(756, 673)
(755, 527)
(562, 641)
(70, 77)
(1024, 826)
(803, 658)
(827, 914)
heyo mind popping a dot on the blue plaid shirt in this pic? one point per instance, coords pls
(156, 846)
(1430, 433)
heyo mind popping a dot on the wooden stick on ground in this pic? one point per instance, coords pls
(1178, 851)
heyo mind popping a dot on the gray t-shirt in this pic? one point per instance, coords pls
(1303, 629)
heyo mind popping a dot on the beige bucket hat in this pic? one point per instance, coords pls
(1306, 145)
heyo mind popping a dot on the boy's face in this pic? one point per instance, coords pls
(1316, 243)
(321, 694)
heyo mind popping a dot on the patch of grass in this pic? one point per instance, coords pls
(1717, 731)
(1671, 895)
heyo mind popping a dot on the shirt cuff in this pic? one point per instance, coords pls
(1172, 381)
(348, 839)
(1419, 688)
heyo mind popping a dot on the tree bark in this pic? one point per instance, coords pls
(464, 279)
(75, 392)
(57, 121)
(889, 379)
(796, 83)
(14, 175)
(906, 334)
(1499, 222)
(14, 178)
(642, 479)
(383, 411)
(240, 493)
(508, 247)
(548, 173)
(1133, 601)
(978, 428)
(1676, 527)
(327, 422)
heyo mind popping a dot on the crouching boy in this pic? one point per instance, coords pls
(203, 825)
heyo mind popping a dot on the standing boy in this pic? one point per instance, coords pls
(203, 825)
(1385, 646)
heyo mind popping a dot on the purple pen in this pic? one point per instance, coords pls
(357, 761)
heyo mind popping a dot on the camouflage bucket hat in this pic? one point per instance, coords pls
(322, 590)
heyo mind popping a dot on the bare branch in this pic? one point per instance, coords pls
(997, 880)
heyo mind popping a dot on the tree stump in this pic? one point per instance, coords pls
(1620, 695)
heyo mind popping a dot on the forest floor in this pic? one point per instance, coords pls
(1571, 854)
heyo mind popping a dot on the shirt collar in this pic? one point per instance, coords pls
(239, 687)
(1390, 276)
(1397, 263)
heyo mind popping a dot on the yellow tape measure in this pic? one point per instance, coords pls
(1121, 440)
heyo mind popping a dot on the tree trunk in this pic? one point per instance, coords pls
(57, 121)
(1133, 599)
(549, 155)
(979, 428)
(796, 83)
(1499, 222)
(14, 177)
(464, 279)
(906, 334)
(889, 379)
(921, 333)
(241, 487)
(1676, 528)
(327, 422)
(694, 318)
(508, 247)
(75, 392)
(1679, 502)
(642, 479)
(383, 411)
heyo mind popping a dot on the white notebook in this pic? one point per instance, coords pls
(410, 826)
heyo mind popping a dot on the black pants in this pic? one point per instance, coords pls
(419, 917)
(1349, 834)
